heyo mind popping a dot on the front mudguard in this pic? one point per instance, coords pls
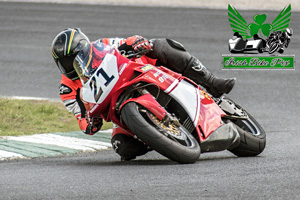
(148, 101)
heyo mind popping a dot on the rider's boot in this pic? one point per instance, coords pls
(225, 137)
(214, 85)
(128, 147)
(173, 55)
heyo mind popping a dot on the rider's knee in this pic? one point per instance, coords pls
(170, 53)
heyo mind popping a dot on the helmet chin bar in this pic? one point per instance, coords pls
(60, 67)
(72, 75)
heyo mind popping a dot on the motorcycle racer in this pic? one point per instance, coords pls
(166, 52)
(281, 37)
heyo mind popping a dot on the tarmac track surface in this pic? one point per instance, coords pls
(271, 96)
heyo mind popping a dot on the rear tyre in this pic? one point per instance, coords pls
(253, 137)
(173, 142)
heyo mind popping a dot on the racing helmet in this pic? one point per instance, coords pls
(289, 32)
(65, 47)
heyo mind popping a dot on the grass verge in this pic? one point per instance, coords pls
(27, 117)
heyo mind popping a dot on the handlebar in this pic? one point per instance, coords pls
(132, 55)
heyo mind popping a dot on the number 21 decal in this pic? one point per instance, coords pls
(93, 85)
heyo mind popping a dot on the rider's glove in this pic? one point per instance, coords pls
(138, 43)
(94, 125)
(82, 122)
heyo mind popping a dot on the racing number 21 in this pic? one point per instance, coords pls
(93, 85)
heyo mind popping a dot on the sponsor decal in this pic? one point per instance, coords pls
(205, 95)
(146, 68)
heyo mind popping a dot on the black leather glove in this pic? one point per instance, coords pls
(94, 125)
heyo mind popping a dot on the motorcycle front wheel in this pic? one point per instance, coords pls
(273, 47)
(171, 141)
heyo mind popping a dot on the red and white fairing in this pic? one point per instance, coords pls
(201, 108)
(102, 90)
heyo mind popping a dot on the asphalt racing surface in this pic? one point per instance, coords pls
(271, 96)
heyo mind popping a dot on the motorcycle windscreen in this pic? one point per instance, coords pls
(89, 59)
(98, 87)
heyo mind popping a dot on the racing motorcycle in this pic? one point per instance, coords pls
(278, 40)
(276, 45)
(165, 110)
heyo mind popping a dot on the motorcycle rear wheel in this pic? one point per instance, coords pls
(253, 137)
(181, 148)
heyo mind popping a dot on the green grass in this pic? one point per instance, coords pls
(27, 117)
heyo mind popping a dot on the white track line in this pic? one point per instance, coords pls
(69, 142)
(6, 154)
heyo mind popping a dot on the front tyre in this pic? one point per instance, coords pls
(173, 142)
(273, 47)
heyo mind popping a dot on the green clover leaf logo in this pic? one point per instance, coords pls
(239, 24)
(259, 20)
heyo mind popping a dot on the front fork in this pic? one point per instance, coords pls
(150, 103)
(167, 119)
